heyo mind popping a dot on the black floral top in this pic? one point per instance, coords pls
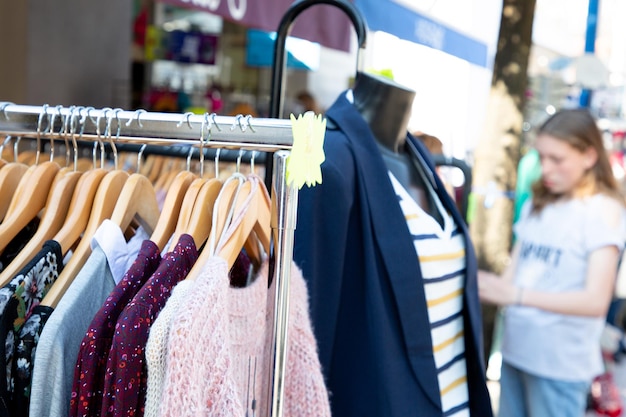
(18, 242)
(26, 346)
(17, 300)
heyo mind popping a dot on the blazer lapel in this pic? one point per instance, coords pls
(397, 250)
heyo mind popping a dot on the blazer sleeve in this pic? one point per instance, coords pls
(321, 238)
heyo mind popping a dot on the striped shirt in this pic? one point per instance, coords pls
(442, 262)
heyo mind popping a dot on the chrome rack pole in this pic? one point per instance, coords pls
(153, 128)
(284, 209)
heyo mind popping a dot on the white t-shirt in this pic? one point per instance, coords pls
(555, 246)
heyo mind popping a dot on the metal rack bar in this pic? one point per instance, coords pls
(173, 131)
(151, 128)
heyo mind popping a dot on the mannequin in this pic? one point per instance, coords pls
(367, 288)
(386, 107)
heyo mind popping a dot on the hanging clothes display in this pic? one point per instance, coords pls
(374, 300)
(61, 337)
(235, 362)
(77, 319)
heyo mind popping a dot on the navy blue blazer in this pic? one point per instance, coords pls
(368, 305)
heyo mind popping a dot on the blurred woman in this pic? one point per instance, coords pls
(560, 281)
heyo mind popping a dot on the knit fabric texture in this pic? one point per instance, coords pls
(156, 348)
(218, 350)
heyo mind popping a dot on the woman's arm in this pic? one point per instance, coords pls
(507, 275)
(592, 301)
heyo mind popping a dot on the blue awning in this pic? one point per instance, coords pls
(395, 19)
(301, 54)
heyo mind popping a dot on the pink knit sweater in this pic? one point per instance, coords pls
(218, 350)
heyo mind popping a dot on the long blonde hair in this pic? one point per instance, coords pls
(578, 128)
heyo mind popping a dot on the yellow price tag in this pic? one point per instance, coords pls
(307, 153)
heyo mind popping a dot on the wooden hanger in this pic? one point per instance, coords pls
(28, 200)
(170, 178)
(220, 218)
(84, 164)
(61, 160)
(10, 176)
(255, 218)
(166, 170)
(80, 208)
(53, 217)
(186, 209)
(156, 168)
(23, 180)
(137, 200)
(104, 203)
(171, 208)
(262, 228)
(225, 207)
(5, 154)
(167, 177)
(199, 225)
(146, 167)
(27, 157)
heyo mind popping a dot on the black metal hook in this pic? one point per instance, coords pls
(284, 27)
(279, 60)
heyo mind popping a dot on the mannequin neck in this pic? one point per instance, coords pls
(386, 107)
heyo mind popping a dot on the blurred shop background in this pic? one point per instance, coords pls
(216, 56)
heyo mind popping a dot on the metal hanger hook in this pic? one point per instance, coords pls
(103, 112)
(242, 127)
(137, 114)
(116, 113)
(4, 143)
(4, 106)
(107, 124)
(185, 118)
(83, 122)
(44, 111)
(217, 126)
(66, 121)
(248, 118)
(189, 158)
(238, 165)
(140, 155)
(205, 121)
(15, 148)
(74, 112)
(65, 130)
(217, 162)
(94, 152)
(88, 110)
(50, 129)
(237, 122)
(62, 134)
(252, 157)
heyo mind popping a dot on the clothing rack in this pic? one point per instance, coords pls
(117, 126)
